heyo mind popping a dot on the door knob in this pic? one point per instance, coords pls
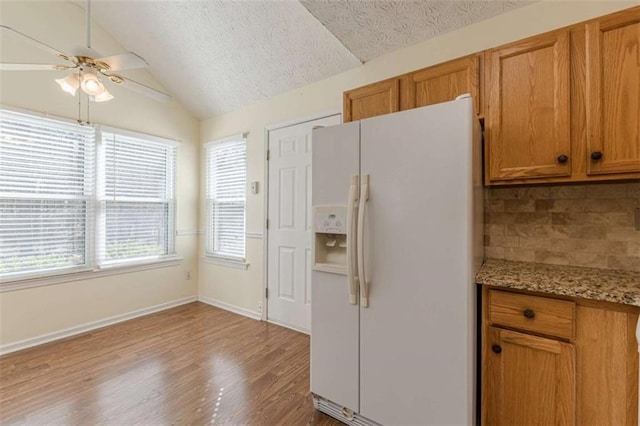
(596, 155)
(562, 159)
(496, 348)
(528, 313)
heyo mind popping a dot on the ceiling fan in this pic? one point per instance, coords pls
(88, 70)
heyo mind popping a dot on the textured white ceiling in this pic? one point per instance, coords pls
(372, 28)
(216, 56)
(219, 55)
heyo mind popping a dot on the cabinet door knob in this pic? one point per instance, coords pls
(562, 159)
(528, 313)
(496, 348)
(596, 155)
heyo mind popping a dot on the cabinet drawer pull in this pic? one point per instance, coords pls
(596, 155)
(496, 348)
(528, 313)
(562, 159)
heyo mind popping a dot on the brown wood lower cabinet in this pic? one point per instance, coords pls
(532, 380)
(555, 378)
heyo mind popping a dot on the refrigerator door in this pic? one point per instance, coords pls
(334, 319)
(417, 349)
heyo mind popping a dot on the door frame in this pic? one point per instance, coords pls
(265, 203)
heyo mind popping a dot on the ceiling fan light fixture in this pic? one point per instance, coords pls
(91, 84)
(69, 84)
(103, 97)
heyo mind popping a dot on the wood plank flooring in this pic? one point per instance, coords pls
(194, 364)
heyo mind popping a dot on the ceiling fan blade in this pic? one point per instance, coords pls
(124, 61)
(33, 67)
(37, 43)
(139, 88)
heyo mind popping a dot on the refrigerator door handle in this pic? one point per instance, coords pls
(352, 267)
(364, 285)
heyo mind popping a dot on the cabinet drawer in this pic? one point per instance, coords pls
(538, 314)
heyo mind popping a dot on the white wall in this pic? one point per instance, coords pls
(245, 288)
(28, 313)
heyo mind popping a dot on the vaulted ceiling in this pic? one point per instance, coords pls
(372, 28)
(218, 55)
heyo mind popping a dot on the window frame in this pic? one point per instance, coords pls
(87, 198)
(92, 269)
(101, 200)
(211, 257)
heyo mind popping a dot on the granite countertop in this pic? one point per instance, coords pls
(587, 283)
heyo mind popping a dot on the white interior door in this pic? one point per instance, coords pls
(289, 215)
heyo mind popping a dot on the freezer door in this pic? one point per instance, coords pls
(417, 333)
(334, 320)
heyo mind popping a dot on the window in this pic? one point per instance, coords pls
(226, 171)
(137, 199)
(76, 198)
(46, 189)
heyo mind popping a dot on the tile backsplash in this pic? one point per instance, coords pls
(582, 225)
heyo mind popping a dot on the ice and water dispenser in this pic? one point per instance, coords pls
(330, 239)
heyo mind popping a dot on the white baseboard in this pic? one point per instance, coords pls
(57, 335)
(231, 308)
(289, 326)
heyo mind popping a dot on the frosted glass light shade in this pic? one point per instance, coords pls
(103, 97)
(69, 84)
(91, 84)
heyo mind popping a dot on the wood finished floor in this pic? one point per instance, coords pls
(194, 364)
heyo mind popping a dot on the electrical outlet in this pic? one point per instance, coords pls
(187, 274)
(260, 307)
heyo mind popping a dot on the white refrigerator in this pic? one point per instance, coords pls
(397, 230)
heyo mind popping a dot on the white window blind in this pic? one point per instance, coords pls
(46, 193)
(226, 171)
(137, 200)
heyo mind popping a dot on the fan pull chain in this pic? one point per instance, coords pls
(79, 107)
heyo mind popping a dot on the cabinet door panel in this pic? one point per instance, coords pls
(613, 94)
(532, 380)
(607, 361)
(445, 82)
(372, 100)
(529, 132)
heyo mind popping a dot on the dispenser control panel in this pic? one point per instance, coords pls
(330, 219)
(330, 239)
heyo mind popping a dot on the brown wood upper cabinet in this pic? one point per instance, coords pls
(375, 99)
(527, 129)
(439, 83)
(563, 106)
(613, 93)
(444, 82)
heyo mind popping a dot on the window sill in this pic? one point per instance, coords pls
(116, 269)
(225, 261)
(146, 263)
